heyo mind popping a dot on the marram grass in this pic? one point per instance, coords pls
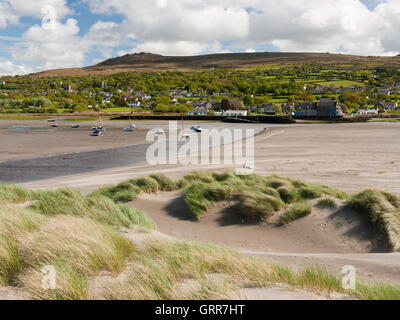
(80, 237)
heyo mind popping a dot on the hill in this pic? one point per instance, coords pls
(154, 62)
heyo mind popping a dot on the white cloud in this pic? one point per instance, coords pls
(301, 25)
(178, 27)
(6, 15)
(51, 45)
(8, 68)
(179, 20)
(12, 10)
(190, 27)
(34, 8)
(109, 34)
(178, 48)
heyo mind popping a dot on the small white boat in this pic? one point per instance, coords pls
(54, 125)
(160, 131)
(131, 128)
(197, 129)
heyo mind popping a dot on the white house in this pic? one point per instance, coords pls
(226, 94)
(390, 105)
(134, 104)
(363, 111)
(198, 112)
(268, 108)
(235, 113)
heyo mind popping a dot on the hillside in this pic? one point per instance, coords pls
(154, 62)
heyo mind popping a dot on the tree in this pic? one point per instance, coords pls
(225, 104)
(235, 104)
(248, 100)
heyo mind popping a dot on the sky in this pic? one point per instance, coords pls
(47, 34)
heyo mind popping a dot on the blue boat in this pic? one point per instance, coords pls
(75, 126)
(95, 133)
(197, 129)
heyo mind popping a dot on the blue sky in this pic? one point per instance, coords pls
(48, 34)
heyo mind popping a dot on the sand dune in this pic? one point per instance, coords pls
(327, 238)
(333, 231)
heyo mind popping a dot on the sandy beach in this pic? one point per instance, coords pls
(352, 157)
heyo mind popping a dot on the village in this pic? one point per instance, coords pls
(183, 94)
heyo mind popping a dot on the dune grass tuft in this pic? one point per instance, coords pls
(96, 207)
(383, 210)
(327, 203)
(206, 177)
(309, 192)
(146, 184)
(380, 291)
(160, 266)
(15, 194)
(77, 248)
(296, 211)
(197, 203)
(165, 183)
(129, 190)
(259, 197)
(15, 223)
(258, 205)
(123, 192)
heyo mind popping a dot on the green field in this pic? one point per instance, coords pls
(340, 83)
(121, 109)
(81, 119)
(21, 117)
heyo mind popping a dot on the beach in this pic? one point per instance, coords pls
(351, 157)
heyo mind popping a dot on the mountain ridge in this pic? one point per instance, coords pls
(139, 62)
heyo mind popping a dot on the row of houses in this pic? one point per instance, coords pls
(388, 89)
(200, 111)
(383, 107)
(325, 89)
(323, 108)
(389, 105)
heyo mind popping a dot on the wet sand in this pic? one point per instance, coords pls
(33, 151)
(36, 139)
